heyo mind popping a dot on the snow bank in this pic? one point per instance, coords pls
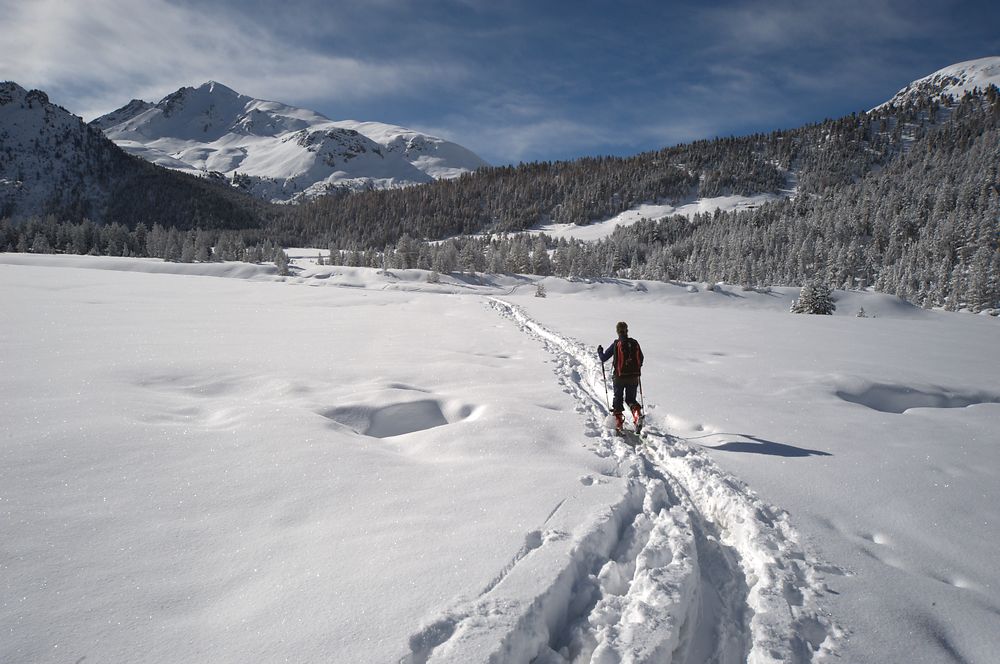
(233, 269)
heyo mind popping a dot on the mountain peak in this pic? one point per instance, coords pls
(10, 87)
(123, 114)
(207, 93)
(954, 80)
(11, 91)
(216, 88)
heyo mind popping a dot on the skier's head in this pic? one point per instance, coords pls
(622, 328)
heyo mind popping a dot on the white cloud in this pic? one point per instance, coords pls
(94, 56)
(756, 26)
(510, 140)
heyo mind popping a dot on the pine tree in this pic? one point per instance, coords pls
(40, 245)
(814, 298)
(172, 247)
(281, 261)
(541, 264)
(189, 250)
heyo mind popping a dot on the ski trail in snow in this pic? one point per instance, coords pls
(688, 566)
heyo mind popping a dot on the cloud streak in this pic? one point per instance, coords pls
(779, 25)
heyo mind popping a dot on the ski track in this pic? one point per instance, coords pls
(688, 566)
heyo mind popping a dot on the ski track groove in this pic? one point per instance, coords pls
(690, 566)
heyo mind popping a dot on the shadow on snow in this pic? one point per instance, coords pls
(761, 446)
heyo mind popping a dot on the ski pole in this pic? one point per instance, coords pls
(604, 376)
(642, 399)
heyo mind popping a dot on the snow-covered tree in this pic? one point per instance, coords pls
(814, 298)
(281, 261)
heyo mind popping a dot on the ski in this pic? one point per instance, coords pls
(631, 438)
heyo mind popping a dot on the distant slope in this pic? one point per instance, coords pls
(51, 162)
(279, 152)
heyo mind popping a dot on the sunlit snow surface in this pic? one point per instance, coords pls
(346, 466)
(602, 229)
(954, 80)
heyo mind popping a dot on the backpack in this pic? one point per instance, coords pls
(628, 358)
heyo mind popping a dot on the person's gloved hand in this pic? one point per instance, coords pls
(600, 350)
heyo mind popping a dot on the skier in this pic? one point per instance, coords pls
(626, 372)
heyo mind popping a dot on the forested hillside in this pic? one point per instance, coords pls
(925, 227)
(813, 158)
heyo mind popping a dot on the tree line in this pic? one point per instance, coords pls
(50, 236)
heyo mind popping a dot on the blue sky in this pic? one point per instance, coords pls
(511, 80)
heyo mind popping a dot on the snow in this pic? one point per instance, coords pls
(954, 80)
(598, 230)
(601, 229)
(346, 465)
(283, 152)
(436, 157)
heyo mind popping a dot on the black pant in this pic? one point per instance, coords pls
(625, 389)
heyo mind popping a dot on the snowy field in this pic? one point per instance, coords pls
(210, 463)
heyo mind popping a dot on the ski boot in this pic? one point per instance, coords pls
(638, 419)
(619, 423)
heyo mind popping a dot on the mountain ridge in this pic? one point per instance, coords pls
(276, 151)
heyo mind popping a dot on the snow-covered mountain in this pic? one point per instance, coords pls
(279, 152)
(33, 132)
(52, 162)
(953, 80)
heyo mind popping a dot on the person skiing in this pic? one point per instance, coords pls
(627, 370)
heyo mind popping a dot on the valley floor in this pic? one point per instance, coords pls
(354, 466)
